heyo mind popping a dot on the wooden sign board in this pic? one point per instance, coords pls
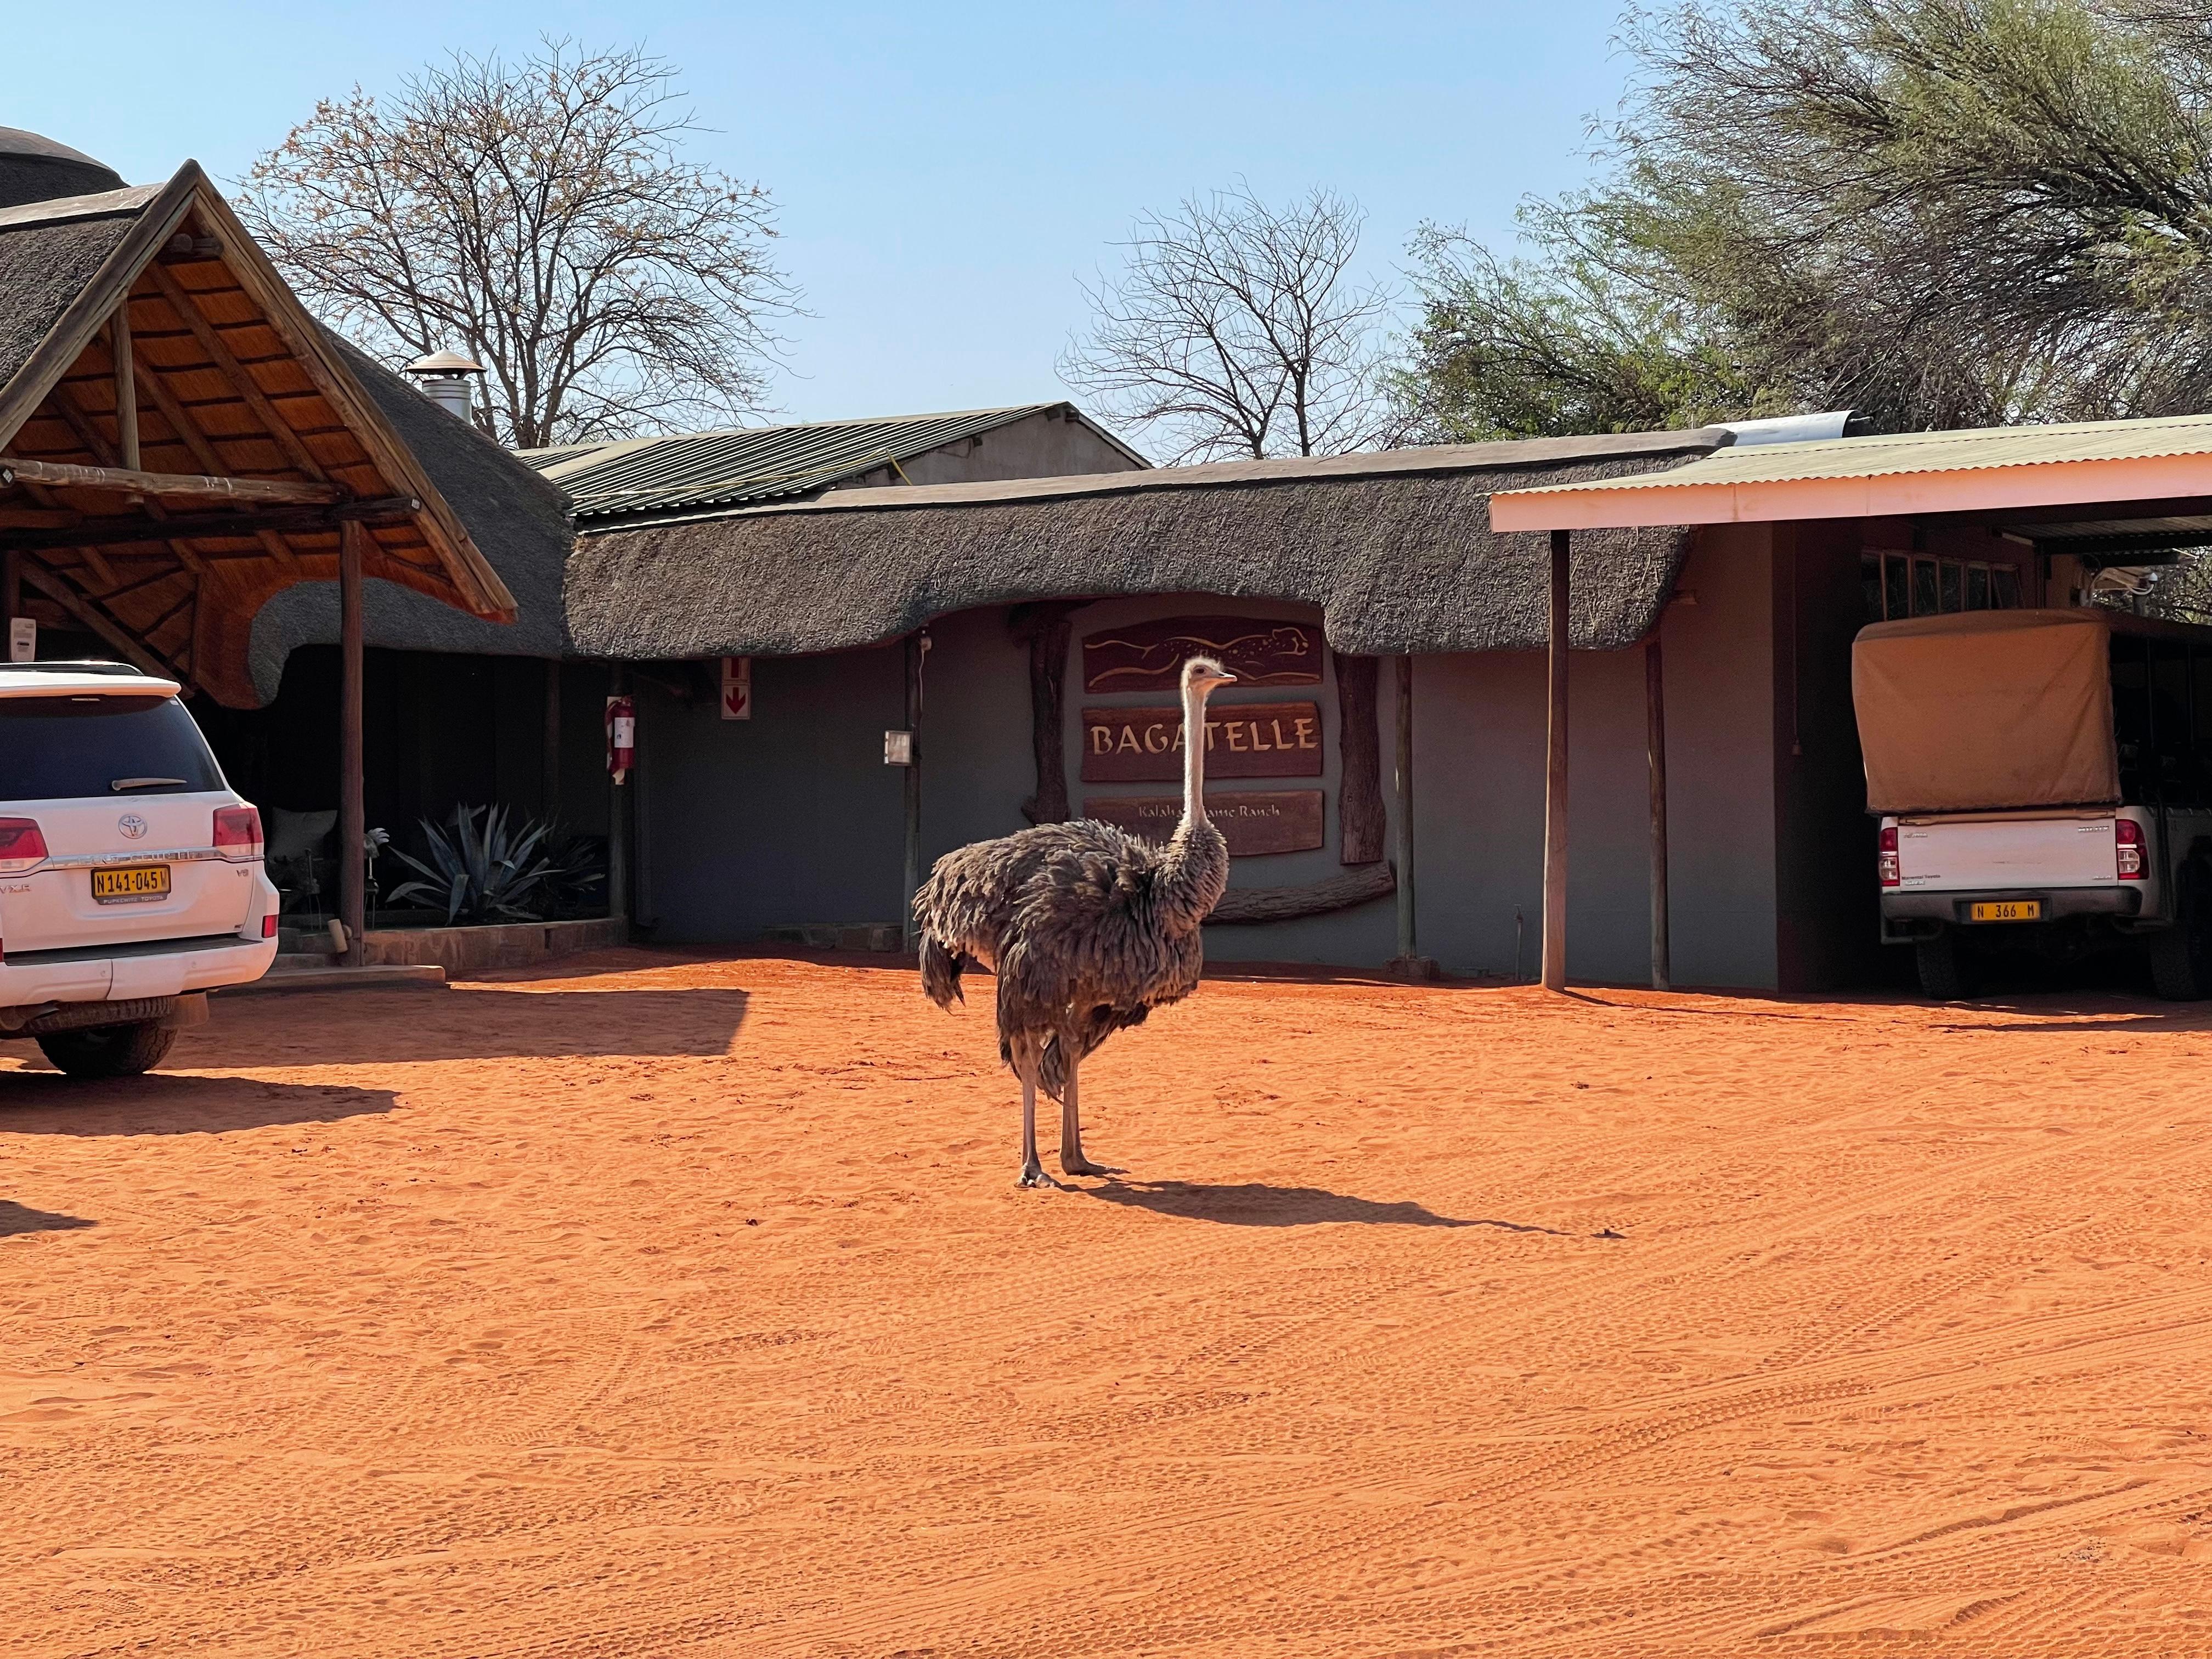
(1150, 656)
(1243, 740)
(1277, 821)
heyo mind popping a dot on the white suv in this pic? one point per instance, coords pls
(130, 879)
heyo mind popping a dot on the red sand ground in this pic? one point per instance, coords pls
(677, 1307)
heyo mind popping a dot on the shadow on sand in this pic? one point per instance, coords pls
(403, 1025)
(49, 1103)
(21, 1218)
(1254, 1204)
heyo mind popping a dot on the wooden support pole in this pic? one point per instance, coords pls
(1654, 716)
(353, 827)
(126, 389)
(618, 817)
(1555, 778)
(550, 768)
(1408, 941)
(917, 650)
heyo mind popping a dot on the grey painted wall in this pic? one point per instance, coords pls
(792, 817)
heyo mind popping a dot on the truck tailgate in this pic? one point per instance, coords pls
(2074, 851)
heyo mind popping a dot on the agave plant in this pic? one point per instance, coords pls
(480, 875)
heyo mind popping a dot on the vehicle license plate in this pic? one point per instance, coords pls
(2007, 910)
(132, 884)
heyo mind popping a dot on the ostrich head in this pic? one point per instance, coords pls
(1201, 674)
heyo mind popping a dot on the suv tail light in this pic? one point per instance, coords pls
(2127, 848)
(237, 832)
(22, 846)
(1885, 861)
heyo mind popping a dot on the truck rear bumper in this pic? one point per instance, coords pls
(1908, 916)
(166, 968)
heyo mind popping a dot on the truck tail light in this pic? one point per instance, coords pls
(1885, 861)
(2128, 848)
(22, 846)
(237, 832)
(269, 926)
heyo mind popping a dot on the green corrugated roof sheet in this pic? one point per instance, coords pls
(696, 472)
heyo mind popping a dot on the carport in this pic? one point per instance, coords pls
(179, 440)
(1870, 520)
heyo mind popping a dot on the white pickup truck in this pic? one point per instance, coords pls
(2044, 782)
(131, 873)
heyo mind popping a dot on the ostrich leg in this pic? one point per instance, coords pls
(1072, 1160)
(1033, 1173)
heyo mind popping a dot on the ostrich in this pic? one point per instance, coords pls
(1088, 929)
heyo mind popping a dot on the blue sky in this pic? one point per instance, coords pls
(944, 173)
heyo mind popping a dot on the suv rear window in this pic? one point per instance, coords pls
(69, 747)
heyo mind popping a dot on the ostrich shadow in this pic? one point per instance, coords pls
(1255, 1204)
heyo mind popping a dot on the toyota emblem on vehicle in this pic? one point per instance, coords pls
(132, 825)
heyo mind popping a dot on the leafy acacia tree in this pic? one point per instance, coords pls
(539, 217)
(1236, 328)
(1939, 212)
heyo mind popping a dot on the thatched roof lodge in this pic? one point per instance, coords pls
(1395, 549)
(1005, 598)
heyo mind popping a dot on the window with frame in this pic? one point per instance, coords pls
(1922, 585)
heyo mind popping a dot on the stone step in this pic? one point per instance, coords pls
(879, 936)
(324, 978)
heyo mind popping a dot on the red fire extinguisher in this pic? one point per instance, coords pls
(622, 737)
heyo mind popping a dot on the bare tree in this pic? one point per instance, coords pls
(539, 217)
(1234, 328)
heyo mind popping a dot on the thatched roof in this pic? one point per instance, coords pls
(517, 520)
(1395, 548)
(245, 455)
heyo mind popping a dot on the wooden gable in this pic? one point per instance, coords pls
(184, 443)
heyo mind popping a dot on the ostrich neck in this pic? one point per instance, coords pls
(1193, 755)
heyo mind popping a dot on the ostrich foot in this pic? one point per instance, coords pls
(1081, 1166)
(1033, 1175)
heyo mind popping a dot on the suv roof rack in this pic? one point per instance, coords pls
(85, 667)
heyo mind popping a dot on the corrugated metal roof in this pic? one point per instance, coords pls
(741, 465)
(1978, 469)
(1893, 455)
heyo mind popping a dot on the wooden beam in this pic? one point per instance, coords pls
(172, 486)
(353, 829)
(1408, 939)
(126, 390)
(1256, 905)
(549, 768)
(1654, 717)
(1555, 778)
(1362, 822)
(203, 451)
(288, 520)
(50, 584)
(182, 301)
(917, 655)
(618, 815)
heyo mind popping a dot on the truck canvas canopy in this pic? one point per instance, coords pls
(1988, 710)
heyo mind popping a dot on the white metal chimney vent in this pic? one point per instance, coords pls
(444, 378)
